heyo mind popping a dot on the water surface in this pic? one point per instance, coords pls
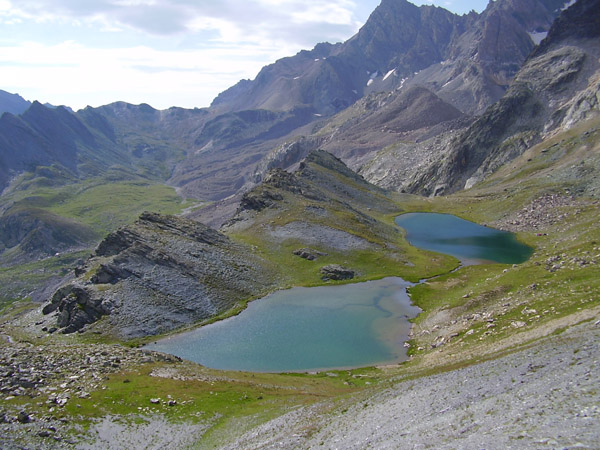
(304, 329)
(467, 241)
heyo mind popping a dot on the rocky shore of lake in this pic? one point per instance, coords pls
(544, 396)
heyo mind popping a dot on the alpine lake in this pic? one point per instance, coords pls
(342, 326)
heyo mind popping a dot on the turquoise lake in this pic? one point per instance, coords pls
(344, 326)
(467, 241)
(304, 329)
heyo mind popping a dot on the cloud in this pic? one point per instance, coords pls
(162, 52)
(168, 17)
(75, 75)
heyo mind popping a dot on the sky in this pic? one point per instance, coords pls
(163, 52)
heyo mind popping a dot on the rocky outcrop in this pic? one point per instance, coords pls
(77, 307)
(336, 272)
(287, 155)
(309, 253)
(269, 192)
(158, 274)
(320, 177)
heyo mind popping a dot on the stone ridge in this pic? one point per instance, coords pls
(321, 177)
(118, 241)
(580, 21)
(156, 275)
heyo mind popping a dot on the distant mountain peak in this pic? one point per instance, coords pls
(12, 103)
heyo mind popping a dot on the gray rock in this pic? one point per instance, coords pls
(336, 272)
(158, 274)
(308, 253)
(23, 417)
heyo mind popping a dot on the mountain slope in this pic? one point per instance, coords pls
(511, 330)
(557, 87)
(435, 70)
(481, 52)
(466, 61)
(162, 272)
(397, 138)
(53, 165)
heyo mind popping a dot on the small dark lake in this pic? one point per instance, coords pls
(344, 326)
(467, 241)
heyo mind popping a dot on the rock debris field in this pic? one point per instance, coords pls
(60, 374)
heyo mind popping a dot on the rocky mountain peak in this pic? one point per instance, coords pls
(399, 35)
(556, 87)
(579, 21)
(12, 103)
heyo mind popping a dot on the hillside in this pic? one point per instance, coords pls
(163, 272)
(507, 329)
(402, 88)
(466, 61)
(398, 41)
(158, 274)
(556, 88)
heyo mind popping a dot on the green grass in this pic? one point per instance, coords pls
(87, 210)
(528, 296)
(205, 396)
(103, 206)
(394, 257)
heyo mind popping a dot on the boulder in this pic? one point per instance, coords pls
(336, 272)
(308, 253)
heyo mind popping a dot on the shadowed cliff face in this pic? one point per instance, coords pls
(156, 275)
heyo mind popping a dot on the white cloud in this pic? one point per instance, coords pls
(175, 16)
(332, 13)
(162, 52)
(75, 75)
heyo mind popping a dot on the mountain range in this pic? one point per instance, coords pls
(393, 102)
